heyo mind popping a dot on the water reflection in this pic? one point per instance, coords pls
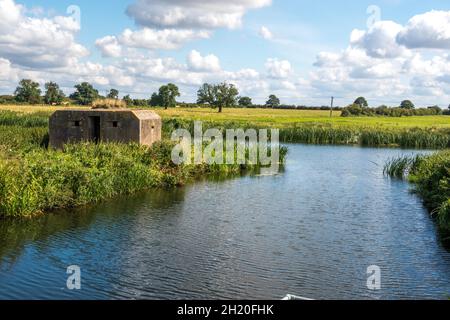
(312, 231)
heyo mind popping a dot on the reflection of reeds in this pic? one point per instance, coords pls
(35, 180)
(431, 177)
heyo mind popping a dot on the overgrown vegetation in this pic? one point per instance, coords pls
(35, 179)
(108, 104)
(431, 176)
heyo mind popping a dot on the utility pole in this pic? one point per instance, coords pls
(331, 109)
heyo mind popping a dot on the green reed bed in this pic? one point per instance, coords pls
(322, 134)
(430, 175)
(41, 180)
(311, 133)
(25, 120)
(35, 179)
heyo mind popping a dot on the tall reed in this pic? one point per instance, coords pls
(431, 177)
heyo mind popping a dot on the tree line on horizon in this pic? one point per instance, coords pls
(219, 96)
(406, 108)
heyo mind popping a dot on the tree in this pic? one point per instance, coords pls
(245, 102)
(155, 100)
(28, 92)
(362, 102)
(273, 101)
(128, 100)
(168, 95)
(85, 94)
(206, 95)
(222, 95)
(407, 104)
(53, 94)
(113, 94)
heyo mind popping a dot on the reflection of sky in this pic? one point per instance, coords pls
(311, 231)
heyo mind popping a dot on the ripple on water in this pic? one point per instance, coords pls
(311, 231)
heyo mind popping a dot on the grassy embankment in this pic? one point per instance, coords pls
(35, 179)
(431, 177)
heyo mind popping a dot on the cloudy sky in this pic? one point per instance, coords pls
(302, 51)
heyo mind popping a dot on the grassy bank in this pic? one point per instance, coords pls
(35, 179)
(303, 126)
(40, 180)
(431, 178)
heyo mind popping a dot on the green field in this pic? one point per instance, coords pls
(289, 118)
(277, 118)
(303, 126)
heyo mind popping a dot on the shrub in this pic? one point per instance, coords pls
(108, 104)
(431, 176)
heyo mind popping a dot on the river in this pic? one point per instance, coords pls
(312, 230)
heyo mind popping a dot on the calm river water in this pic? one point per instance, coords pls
(311, 231)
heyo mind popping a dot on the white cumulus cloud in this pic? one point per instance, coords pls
(265, 33)
(278, 68)
(197, 62)
(380, 40)
(192, 13)
(34, 42)
(428, 30)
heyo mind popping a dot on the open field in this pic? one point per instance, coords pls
(277, 118)
(287, 118)
(303, 126)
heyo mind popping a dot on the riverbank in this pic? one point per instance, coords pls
(35, 179)
(431, 178)
(264, 236)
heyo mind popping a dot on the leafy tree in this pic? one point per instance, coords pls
(273, 101)
(28, 92)
(407, 104)
(53, 94)
(222, 95)
(362, 102)
(113, 94)
(168, 95)
(245, 102)
(207, 95)
(140, 102)
(155, 100)
(128, 100)
(85, 94)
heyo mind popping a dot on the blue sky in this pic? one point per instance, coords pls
(305, 55)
